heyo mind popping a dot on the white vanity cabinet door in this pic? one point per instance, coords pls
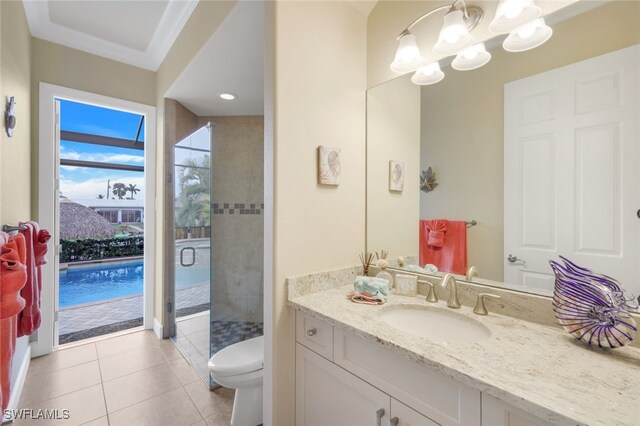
(497, 413)
(440, 398)
(315, 334)
(405, 416)
(327, 395)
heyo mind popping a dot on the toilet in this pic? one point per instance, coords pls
(239, 367)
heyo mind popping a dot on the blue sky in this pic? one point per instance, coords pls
(81, 182)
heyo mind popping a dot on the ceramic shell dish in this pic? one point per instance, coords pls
(592, 307)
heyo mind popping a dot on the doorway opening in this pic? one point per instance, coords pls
(96, 192)
(101, 222)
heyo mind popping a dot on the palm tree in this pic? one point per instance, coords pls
(119, 190)
(193, 200)
(133, 190)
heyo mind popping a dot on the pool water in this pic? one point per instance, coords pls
(110, 280)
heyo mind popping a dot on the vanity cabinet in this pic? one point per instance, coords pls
(497, 413)
(329, 395)
(342, 379)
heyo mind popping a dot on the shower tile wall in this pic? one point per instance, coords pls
(237, 247)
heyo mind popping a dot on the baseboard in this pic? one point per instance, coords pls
(16, 388)
(157, 328)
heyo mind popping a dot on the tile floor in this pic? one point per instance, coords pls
(134, 379)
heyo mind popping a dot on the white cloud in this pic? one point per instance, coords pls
(90, 188)
(101, 157)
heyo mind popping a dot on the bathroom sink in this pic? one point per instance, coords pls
(436, 324)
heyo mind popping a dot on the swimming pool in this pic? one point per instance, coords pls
(109, 280)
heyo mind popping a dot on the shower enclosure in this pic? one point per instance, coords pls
(192, 230)
(218, 215)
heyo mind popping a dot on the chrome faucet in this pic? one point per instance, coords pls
(472, 272)
(453, 301)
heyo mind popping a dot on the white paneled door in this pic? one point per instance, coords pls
(572, 170)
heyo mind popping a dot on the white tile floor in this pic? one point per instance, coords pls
(133, 380)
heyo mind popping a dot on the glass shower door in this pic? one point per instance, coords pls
(192, 218)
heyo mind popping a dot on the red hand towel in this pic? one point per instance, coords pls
(30, 318)
(436, 228)
(452, 256)
(13, 276)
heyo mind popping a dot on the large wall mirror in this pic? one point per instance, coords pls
(541, 149)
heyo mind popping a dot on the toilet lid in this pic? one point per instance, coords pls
(239, 358)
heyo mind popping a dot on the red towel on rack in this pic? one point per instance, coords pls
(13, 276)
(36, 239)
(452, 256)
(437, 229)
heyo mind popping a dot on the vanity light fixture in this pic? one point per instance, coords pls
(471, 58)
(408, 57)
(428, 74)
(528, 36)
(228, 96)
(454, 36)
(512, 14)
(520, 18)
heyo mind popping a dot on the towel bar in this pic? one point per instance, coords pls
(472, 223)
(11, 228)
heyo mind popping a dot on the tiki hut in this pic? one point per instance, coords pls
(78, 222)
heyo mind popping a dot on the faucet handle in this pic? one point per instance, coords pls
(431, 296)
(480, 309)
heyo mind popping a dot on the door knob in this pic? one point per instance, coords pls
(512, 258)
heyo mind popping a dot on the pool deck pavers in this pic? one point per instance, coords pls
(94, 315)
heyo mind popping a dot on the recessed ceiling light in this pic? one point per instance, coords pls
(228, 96)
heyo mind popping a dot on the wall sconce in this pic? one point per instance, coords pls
(10, 116)
(520, 18)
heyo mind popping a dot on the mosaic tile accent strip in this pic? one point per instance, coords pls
(225, 333)
(238, 208)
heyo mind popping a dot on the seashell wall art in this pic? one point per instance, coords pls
(328, 165)
(592, 307)
(396, 175)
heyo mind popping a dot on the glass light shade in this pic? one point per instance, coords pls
(428, 74)
(408, 57)
(528, 36)
(471, 58)
(512, 14)
(454, 35)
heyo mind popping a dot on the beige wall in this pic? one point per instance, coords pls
(393, 133)
(203, 22)
(318, 99)
(15, 152)
(462, 122)
(15, 166)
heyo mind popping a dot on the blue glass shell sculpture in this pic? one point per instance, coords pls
(592, 307)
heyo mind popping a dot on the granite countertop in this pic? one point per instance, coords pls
(539, 369)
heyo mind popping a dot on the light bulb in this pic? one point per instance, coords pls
(471, 58)
(512, 14)
(408, 57)
(471, 52)
(428, 74)
(454, 35)
(527, 37)
(528, 30)
(512, 10)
